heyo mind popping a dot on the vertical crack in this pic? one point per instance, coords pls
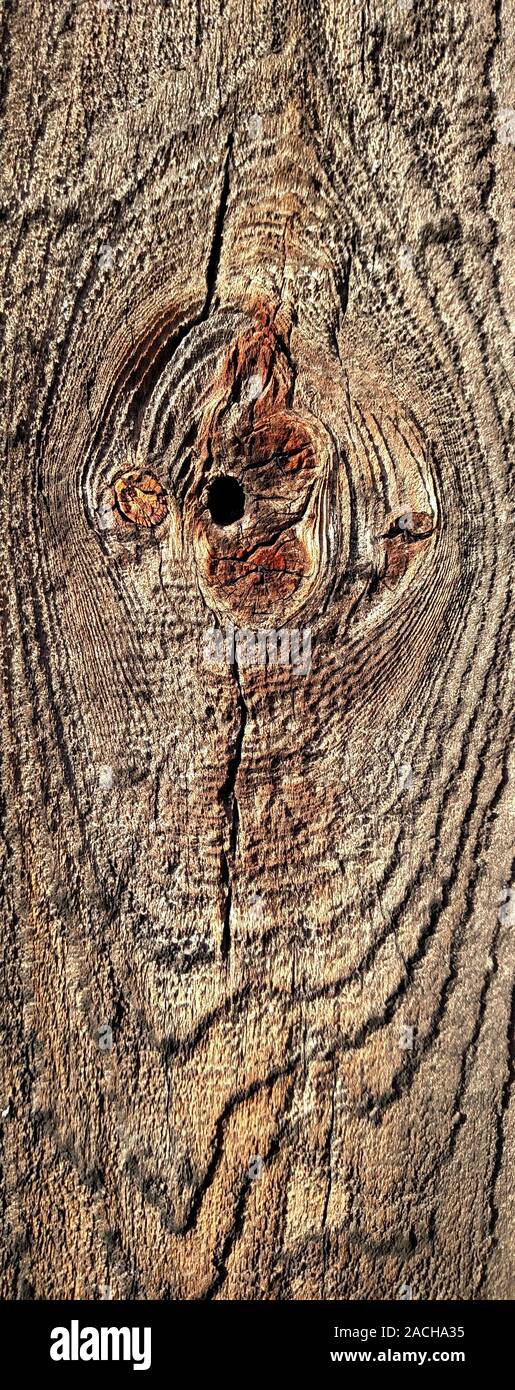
(329, 1183)
(216, 244)
(229, 800)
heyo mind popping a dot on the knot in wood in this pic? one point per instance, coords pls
(140, 498)
(258, 467)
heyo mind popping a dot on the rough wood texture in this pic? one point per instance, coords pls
(258, 975)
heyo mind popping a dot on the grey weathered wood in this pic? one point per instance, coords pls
(287, 895)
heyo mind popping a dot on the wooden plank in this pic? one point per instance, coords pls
(258, 555)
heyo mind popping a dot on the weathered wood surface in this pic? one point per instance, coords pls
(269, 241)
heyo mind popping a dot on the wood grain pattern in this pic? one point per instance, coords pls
(258, 994)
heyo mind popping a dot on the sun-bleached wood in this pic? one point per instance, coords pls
(258, 981)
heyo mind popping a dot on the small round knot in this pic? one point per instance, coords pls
(140, 498)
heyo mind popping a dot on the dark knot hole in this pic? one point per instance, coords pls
(226, 500)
